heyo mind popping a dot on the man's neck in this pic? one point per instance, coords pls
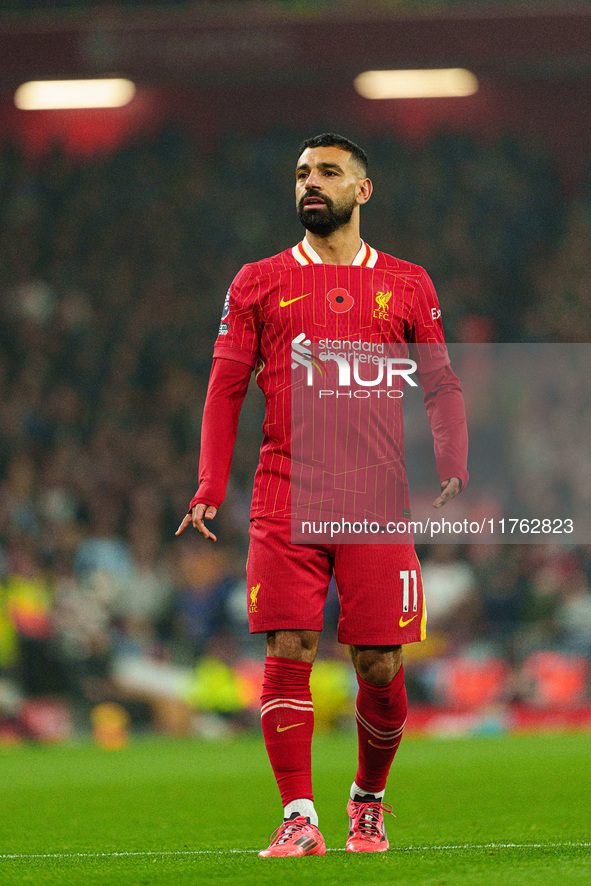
(339, 248)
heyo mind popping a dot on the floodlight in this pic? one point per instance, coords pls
(436, 83)
(37, 95)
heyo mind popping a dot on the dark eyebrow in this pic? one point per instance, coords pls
(304, 166)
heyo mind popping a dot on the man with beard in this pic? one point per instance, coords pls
(331, 285)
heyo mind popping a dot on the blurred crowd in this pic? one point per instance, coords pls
(114, 6)
(113, 273)
(304, 6)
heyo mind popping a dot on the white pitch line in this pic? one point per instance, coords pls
(449, 848)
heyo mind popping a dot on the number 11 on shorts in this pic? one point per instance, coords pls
(406, 575)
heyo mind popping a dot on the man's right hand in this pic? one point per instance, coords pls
(196, 516)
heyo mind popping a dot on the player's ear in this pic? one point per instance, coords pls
(364, 189)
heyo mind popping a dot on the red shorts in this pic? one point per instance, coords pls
(379, 586)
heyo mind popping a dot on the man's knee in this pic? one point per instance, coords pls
(298, 645)
(378, 664)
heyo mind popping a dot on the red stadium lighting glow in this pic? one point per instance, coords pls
(436, 83)
(42, 95)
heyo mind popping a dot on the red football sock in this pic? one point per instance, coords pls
(381, 715)
(287, 718)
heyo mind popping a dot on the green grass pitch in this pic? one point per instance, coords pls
(486, 811)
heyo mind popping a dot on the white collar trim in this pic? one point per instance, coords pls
(306, 255)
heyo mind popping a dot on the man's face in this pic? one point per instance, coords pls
(327, 184)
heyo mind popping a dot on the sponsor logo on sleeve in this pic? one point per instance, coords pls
(226, 309)
(224, 327)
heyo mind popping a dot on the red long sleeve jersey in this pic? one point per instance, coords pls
(276, 304)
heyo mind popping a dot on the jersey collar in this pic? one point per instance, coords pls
(306, 255)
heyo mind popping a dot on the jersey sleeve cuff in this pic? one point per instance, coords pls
(204, 499)
(448, 472)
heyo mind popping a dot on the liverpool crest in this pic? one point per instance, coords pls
(382, 299)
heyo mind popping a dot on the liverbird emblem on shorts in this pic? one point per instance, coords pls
(253, 598)
(382, 299)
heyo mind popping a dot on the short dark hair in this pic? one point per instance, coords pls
(332, 140)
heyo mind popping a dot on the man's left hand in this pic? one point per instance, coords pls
(449, 489)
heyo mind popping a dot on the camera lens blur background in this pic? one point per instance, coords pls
(125, 211)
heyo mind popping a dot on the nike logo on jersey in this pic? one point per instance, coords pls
(382, 747)
(403, 624)
(284, 304)
(285, 728)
